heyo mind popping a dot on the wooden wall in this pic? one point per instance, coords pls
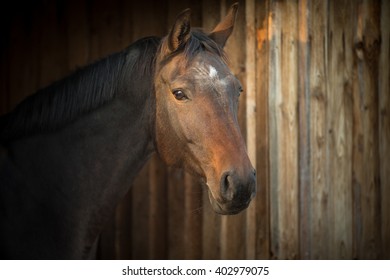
(315, 114)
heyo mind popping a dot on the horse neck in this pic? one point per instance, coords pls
(82, 170)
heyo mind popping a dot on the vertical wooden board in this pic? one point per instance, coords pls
(176, 7)
(384, 127)
(127, 22)
(304, 129)
(193, 218)
(175, 212)
(211, 229)
(339, 126)
(283, 85)
(287, 124)
(263, 18)
(319, 236)
(77, 33)
(20, 63)
(234, 227)
(233, 237)
(53, 57)
(366, 150)
(211, 14)
(274, 35)
(211, 222)
(104, 28)
(250, 69)
(149, 18)
(158, 209)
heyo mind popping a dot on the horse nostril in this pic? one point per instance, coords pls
(227, 186)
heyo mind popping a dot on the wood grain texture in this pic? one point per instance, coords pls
(366, 175)
(319, 216)
(283, 102)
(304, 118)
(339, 127)
(262, 139)
(384, 128)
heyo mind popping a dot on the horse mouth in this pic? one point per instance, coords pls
(228, 208)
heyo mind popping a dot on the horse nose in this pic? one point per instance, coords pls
(238, 190)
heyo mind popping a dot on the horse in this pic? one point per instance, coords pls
(70, 152)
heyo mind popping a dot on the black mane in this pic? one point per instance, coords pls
(81, 92)
(93, 86)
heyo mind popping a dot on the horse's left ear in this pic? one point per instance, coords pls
(181, 31)
(224, 29)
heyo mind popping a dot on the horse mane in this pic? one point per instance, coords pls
(94, 85)
(83, 91)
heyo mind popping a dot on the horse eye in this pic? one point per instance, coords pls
(179, 94)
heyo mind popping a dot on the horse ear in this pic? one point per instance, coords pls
(224, 29)
(181, 31)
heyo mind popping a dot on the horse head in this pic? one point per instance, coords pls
(196, 124)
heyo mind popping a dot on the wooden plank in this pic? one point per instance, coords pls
(304, 129)
(19, 64)
(149, 18)
(319, 236)
(262, 145)
(366, 176)
(53, 57)
(339, 127)
(157, 208)
(283, 102)
(250, 69)
(274, 37)
(384, 127)
(288, 137)
(193, 218)
(211, 228)
(77, 33)
(175, 212)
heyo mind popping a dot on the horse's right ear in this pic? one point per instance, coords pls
(181, 31)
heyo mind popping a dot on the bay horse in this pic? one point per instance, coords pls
(70, 152)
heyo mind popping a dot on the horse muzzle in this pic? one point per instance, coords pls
(235, 193)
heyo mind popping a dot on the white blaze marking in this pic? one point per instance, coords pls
(212, 72)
